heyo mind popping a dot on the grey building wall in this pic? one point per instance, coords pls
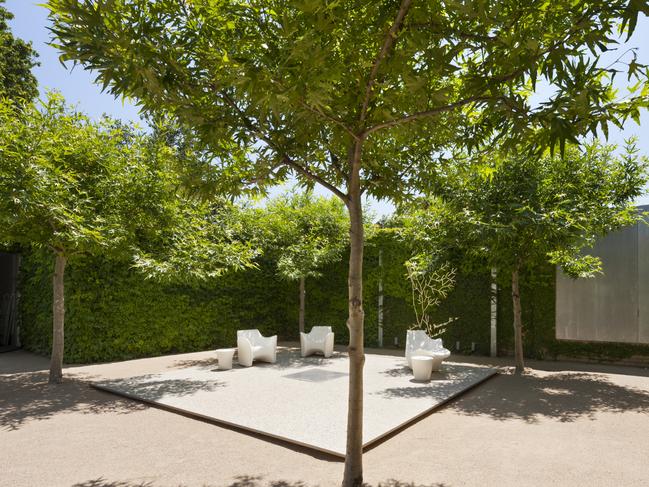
(613, 307)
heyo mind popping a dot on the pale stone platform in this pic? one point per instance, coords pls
(302, 400)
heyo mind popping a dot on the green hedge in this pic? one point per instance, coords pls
(112, 313)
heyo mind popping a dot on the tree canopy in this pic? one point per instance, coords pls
(360, 98)
(287, 86)
(305, 232)
(522, 211)
(17, 58)
(76, 186)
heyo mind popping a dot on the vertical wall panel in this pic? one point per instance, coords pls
(643, 283)
(613, 307)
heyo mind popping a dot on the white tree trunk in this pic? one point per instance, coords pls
(302, 303)
(518, 322)
(58, 320)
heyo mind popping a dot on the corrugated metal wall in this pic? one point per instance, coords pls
(613, 307)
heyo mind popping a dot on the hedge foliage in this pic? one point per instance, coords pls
(113, 313)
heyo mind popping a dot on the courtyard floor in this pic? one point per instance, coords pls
(564, 424)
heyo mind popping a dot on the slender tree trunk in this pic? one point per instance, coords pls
(518, 322)
(302, 302)
(353, 476)
(58, 314)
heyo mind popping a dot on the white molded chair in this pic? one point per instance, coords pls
(253, 346)
(319, 339)
(419, 343)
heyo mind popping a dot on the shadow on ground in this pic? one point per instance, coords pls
(27, 396)
(287, 358)
(247, 481)
(151, 387)
(102, 482)
(564, 397)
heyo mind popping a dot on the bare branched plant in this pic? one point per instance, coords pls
(430, 286)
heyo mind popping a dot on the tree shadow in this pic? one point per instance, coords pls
(564, 397)
(153, 387)
(287, 358)
(398, 483)
(248, 481)
(102, 482)
(201, 363)
(258, 481)
(27, 396)
(432, 389)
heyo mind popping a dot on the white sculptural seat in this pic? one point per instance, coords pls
(253, 346)
(419, 343)
(319, 340)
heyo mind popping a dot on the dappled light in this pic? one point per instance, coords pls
(27, 397)
(563, 397)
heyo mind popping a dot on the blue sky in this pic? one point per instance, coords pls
(77, 86)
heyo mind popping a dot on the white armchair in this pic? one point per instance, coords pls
(419, 343)
(253, 346)
(319, 339)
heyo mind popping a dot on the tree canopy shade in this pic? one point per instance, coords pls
(81, 187)
(522, 211)
(358, 97)
(17, 58)
(304, 232)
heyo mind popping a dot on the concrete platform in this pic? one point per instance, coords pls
(302, 401)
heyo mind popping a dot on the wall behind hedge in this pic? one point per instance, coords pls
(112, 313)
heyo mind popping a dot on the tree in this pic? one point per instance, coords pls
(76, 186)
(304, 233)
(524, 211)
(430, 285)
(359, 98)
(17, 58)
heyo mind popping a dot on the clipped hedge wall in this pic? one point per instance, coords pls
(113, 313)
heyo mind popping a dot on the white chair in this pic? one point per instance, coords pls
(319, 339)
(253, 346)
(419, 343)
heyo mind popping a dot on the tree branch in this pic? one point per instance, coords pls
(324, 115)
(285, 159)
(427, 113)
(500, 79)
(388, 42)
(314, 177)
(332, 119)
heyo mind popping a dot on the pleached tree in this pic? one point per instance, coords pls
(303, 232)
(522, 212)
(75, 187)
(360, 98)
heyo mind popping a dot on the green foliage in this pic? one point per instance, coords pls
(77, 186)
(17, 58)
(528, 210)
(303, 232)
(273, 87)
(114, 313)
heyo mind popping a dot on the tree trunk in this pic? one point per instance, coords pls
(58, 315)
(353, 476)
(302, 301)
(518, 322)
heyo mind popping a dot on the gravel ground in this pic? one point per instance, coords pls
(561, 424)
